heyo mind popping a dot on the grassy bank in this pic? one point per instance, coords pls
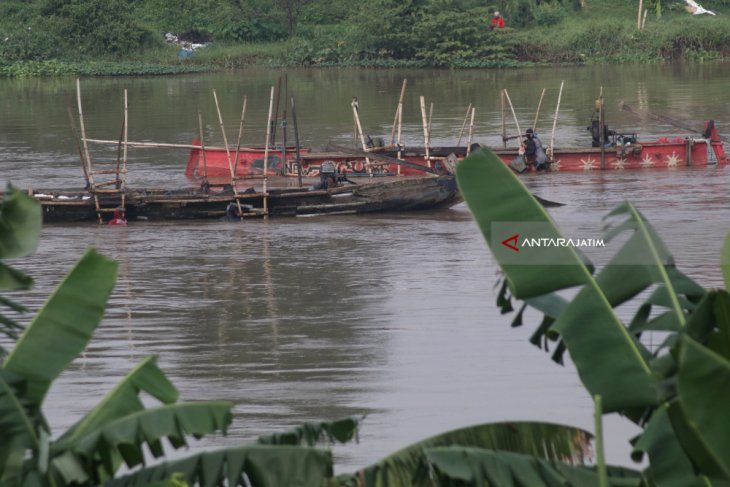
(432, 35)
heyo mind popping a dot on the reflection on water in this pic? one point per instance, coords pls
(308, 319)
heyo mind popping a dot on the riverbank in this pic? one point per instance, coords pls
(600, 33)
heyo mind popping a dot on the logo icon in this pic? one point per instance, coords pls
(513, 245)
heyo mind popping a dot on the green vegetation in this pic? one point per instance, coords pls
(119, 37)
(673, 391)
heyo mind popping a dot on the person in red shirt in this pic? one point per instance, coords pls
(497, 22)
(118, 218)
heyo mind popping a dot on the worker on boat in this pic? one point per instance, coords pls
(231, 213)
(534, 151)
(595, 128)
(327, 176)
(118, 218)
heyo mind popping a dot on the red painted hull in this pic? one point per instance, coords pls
(251, 162)
(662, 153)
(643, 155)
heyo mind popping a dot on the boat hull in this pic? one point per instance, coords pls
(214, 161)
(662, 153)
(642, 155)
(398, 195)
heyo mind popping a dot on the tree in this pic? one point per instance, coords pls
(292, 8)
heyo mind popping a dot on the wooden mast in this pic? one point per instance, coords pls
(240, 134)
(397, 118)
(202, 150)
(471, 131)
(356, 115)
(537, 113)
(504, 125)
(296, 141)
(550, 149)
(463, 125)
(514, 116)
(228, 155)
(400, 125)
(601, 129)
(426, 140)
(266, 154)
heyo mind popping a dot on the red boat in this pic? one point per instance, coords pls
(624, 151)
(621, 151)
(380, 161)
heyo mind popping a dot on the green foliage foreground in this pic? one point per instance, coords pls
(678, 393)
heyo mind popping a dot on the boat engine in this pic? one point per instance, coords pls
(327, 175)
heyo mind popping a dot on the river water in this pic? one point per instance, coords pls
(391, 316)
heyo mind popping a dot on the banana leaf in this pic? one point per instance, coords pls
(128, 435)
(124, 400)
(544, 440)
(263, 465)
(62, 328)
(609, 360)
(17, 430)
(477, 467)
(309, 434)
(704, 395)
(20, 224)
(670, 465)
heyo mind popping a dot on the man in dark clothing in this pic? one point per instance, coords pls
(534, 151)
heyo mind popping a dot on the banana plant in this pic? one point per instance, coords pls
(20, 229)
(677, 392)
(412, 465)
(117, 431)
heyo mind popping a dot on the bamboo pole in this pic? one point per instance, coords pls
(202, 149)
(638, 20)
(463, 125)
(240, 134)
(400, 125)
(537, 113)
(504, 125)
(555, 121)
(266, 153)
(228, 155)
(430, 119)
(275, 114)
(601, 129)
(118, 162)
(471, 131)
(158, 145)
(397, 118)
(124, 156)
(514, 116)
(425, 131)
(356, 115)
(91, 186)
(72, 122)
(296, 141)
(283, 126)
(83, 134)
(225, 140)
(354, 103)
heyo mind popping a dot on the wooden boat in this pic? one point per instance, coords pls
(393, 195)
(214, 162)
(625, 151)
